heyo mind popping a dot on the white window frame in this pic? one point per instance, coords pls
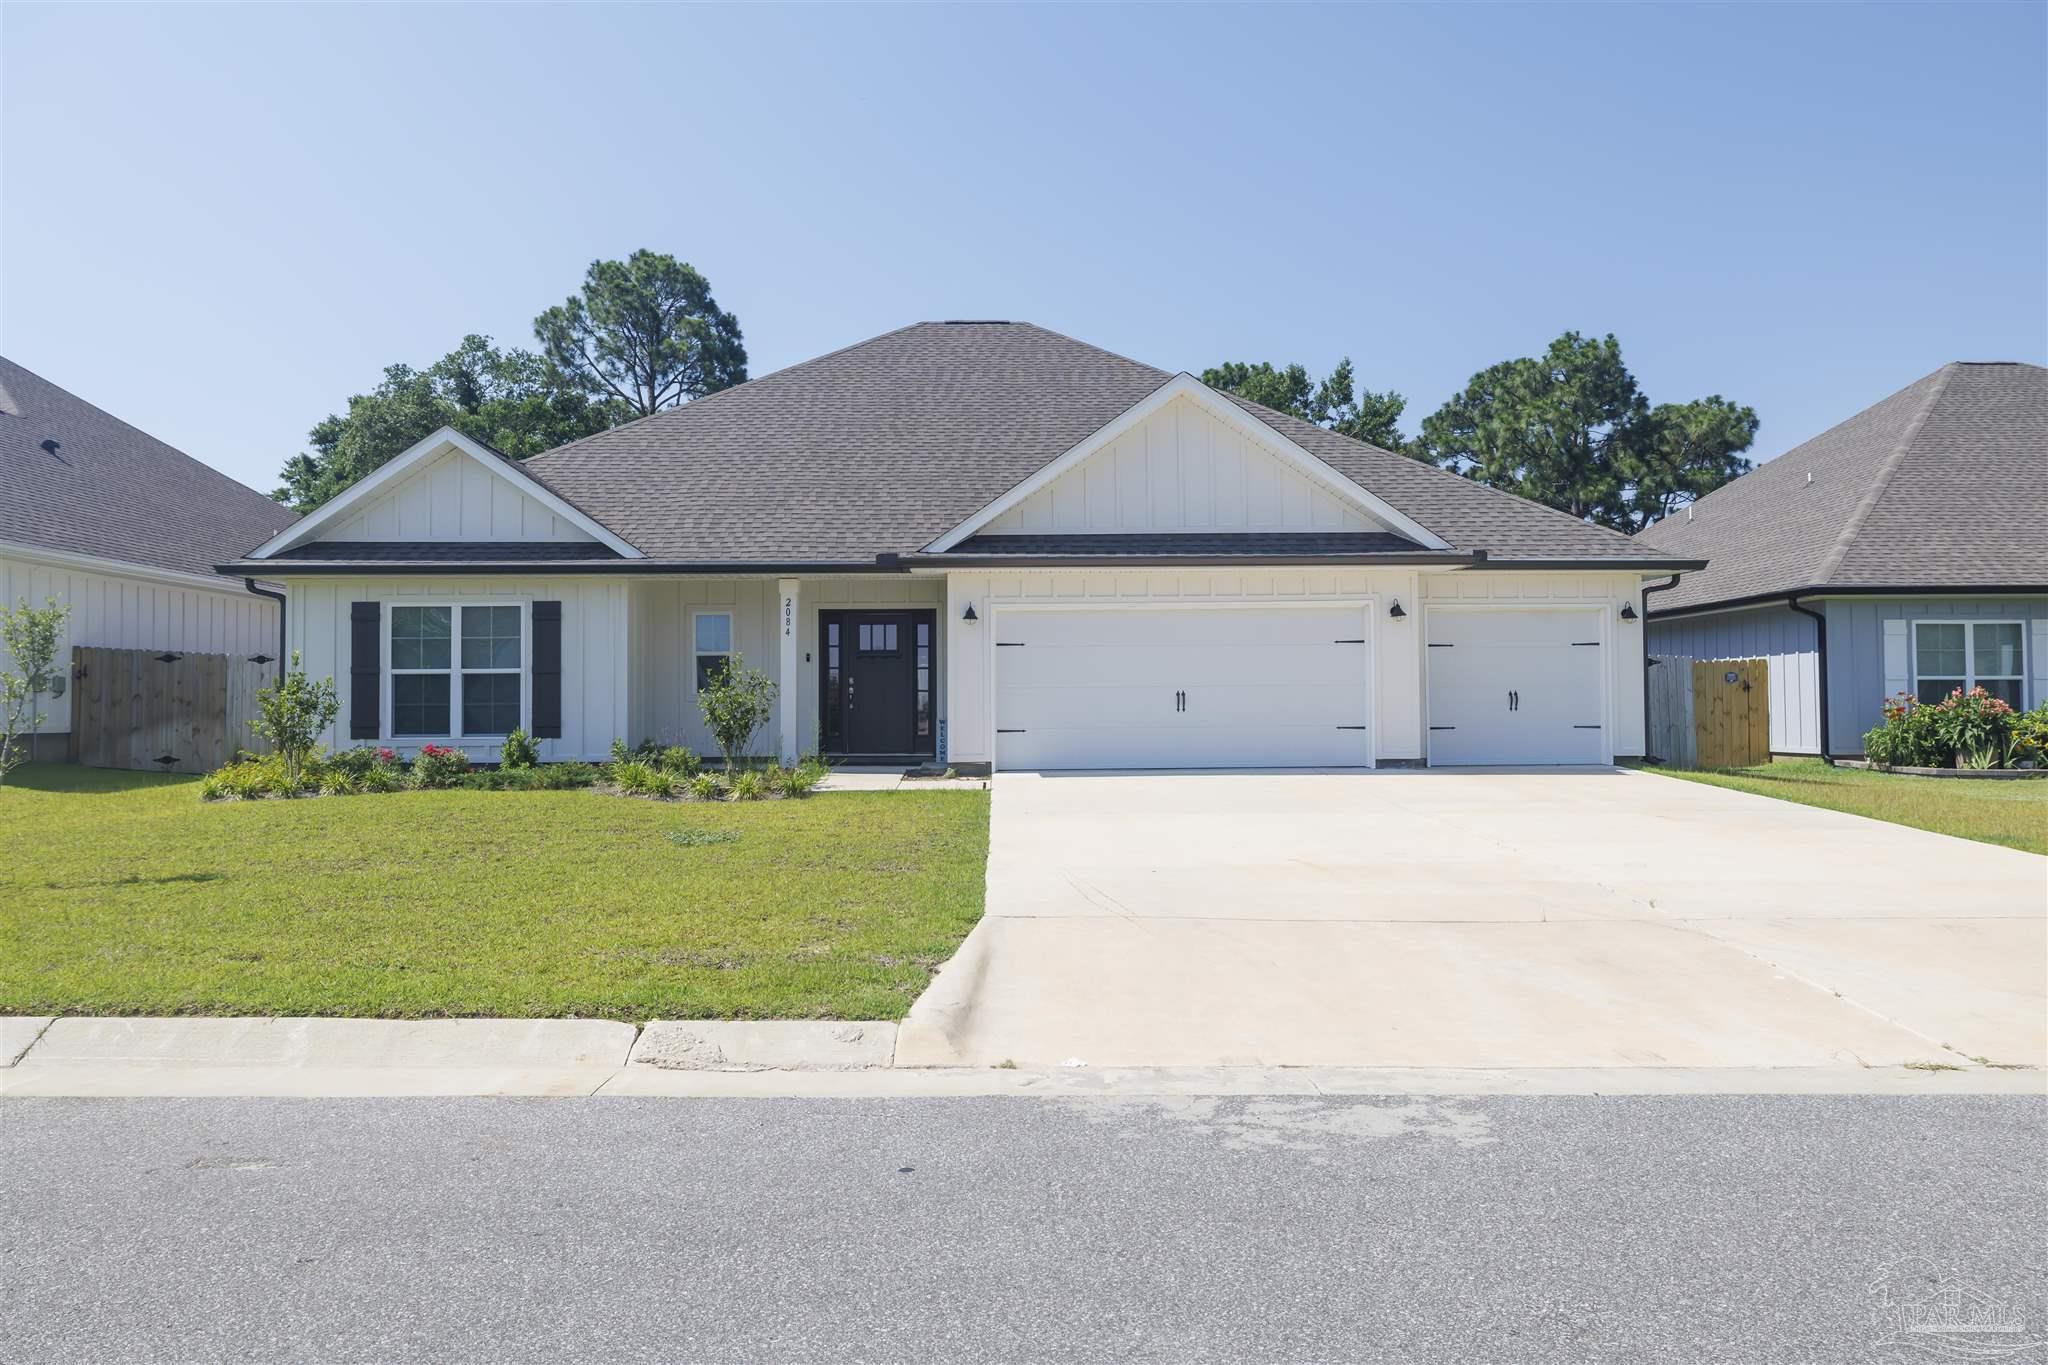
(1970, 674)
(454, 672)
(731, 640)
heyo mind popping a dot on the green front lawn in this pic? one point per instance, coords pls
(2010, 812)
(121, 893)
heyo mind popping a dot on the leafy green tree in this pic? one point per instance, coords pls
(29, 637)
(1336, 403)
(1572, 430)
(645, 331)
(512, 400)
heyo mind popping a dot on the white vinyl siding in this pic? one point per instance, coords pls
(1182, 469)
(594, 650)
(452, 497)
(112, 610)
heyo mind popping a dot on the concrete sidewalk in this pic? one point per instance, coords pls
(122, 1058)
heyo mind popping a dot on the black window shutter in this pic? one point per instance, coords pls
(547, 670)
(364, 620)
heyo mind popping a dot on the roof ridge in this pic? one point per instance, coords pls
(1853, 527)
(1089, 345)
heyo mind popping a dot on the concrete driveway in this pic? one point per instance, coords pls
(1558, 918)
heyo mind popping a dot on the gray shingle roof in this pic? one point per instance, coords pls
(1942, 485)
(112, 491)
(884, 446)
(446, 551)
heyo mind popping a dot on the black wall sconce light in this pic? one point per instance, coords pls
(1395, 610)
(969, 615)
(1628, 611)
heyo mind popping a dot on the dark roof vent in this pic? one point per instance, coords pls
(50, 444)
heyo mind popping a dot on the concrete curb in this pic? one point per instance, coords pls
(938, 1019)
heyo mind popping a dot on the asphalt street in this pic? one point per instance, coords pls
(1498, 1229)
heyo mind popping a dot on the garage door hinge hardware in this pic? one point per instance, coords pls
(1434, 645)
(1001, 731)
(1009, 644)
(1585, 727)
(1347, 642)
(1351, 727)
(1443, 727)
(1585, 644)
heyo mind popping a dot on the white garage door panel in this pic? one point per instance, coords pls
(1263, 687)
(1516, 686)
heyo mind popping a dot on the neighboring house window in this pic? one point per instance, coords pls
(1964, 654)
(432, 687)
(711, 642)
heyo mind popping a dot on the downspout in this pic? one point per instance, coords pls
(278, 598)
(1820, 632)
(1643, 606)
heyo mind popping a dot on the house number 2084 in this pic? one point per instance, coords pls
(788, 616)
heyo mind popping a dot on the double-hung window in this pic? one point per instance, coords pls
(710, 644)
(456, 671)
(1948, 655)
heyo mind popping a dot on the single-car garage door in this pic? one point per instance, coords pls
(1183, 687)
(1515, 686)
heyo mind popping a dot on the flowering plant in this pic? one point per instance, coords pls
(438, 765)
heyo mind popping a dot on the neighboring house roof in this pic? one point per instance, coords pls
(110, 491)
(1943, 485)
(885, 446)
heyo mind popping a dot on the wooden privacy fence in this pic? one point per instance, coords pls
(163, 710)
(1710, 713)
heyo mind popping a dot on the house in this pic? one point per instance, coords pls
(978, 544)
(125, 530)
(1905, 550)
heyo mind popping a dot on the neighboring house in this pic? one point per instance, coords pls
(126, 531)
(1905, 550)
(975, 543)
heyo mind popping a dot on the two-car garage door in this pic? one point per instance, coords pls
(1143, 686)
(1183, 687)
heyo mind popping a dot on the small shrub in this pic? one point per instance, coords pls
(736, 701)
(750, 785)
(706, 787)
(518, 751)
(620, 753)
(643, 779)
(250, 777)
(1975, 726)
(549, 777)
(28, 639)
(2030, 736)
(678, 760)
(291, 714)
(800, 780)
(438, 765)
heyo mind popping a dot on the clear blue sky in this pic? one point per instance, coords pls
(219, 223)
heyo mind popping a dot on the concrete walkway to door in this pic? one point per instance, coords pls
(1553, 918)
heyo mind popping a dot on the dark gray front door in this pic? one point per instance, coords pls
(875, 683)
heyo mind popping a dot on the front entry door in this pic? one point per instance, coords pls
(876, 684)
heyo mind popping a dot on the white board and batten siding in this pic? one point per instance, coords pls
(1182, 469)
(594, 647)
(452, 497)
(111, 609)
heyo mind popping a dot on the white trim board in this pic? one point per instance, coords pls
(122, 568)
(1185, 385)
(442, 441)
